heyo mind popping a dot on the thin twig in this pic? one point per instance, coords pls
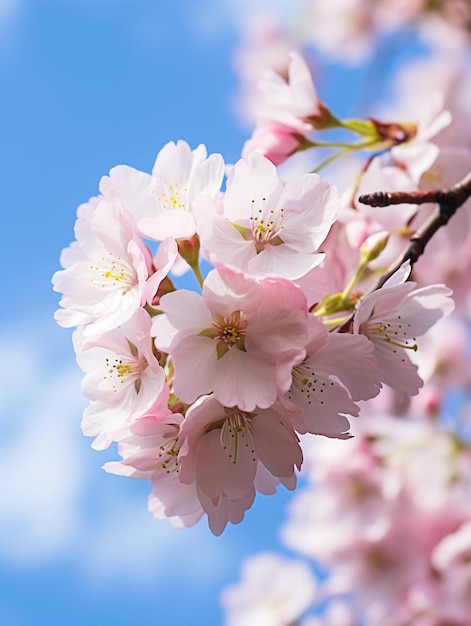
(448, 200)
(458, 194)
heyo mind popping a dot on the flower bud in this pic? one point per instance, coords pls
(372, 247)
(189, 250)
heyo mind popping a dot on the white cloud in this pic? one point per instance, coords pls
(10, 10)
(11, 14)
(213, 19)
(39, 457)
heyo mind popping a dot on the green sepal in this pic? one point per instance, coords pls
(331, 304)
(212, 333)
(365, 128)
(152, 312)
(222, 349)
(214, 425)
(243, 230)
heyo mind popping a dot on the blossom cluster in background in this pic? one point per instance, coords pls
(216, 394)
(384, 518)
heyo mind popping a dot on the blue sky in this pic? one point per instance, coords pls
(86, 85)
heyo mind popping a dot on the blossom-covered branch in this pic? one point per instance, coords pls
(208, 392)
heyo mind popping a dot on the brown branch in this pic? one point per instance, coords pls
(449, 200)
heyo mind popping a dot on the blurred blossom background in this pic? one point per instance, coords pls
(90, 84)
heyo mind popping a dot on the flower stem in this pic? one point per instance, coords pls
(197, 273)
(337, 321)
(371, 143)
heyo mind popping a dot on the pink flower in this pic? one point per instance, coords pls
(293, 103)
(412, 149)
(163, 262)
(150, 451)
(392, 317)
(267, 228)
(222, 510)
(161, 204)
(338, 369)
(418, 154)
(288, 111)
(451, 559)
(274, 591)
(380, 504)
(275, 141)
(222, 448)
(106, 270)
(239, 340)
(123, 378)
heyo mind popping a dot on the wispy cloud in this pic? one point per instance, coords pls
(11, 14)
(10, 10)
(39, 457)
(212, 20)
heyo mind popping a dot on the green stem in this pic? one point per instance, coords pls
(340, 305)
(344, 152)
(364, 128)
(330, 160)
(337, 321)
(152, 312)
(354, 280)
(334, 144)
(197, 273)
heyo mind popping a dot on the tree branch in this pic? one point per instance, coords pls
(448, 200)
(457, 194)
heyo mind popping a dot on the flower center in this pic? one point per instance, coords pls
(394, 332)
(113, 272)
(266, 226)
(230, 329)
(175, 196)
(309, 384)
(168, 452)
(236, 433)
(229, 332)
(120, 373)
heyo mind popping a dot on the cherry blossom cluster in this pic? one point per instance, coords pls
(206, 393)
